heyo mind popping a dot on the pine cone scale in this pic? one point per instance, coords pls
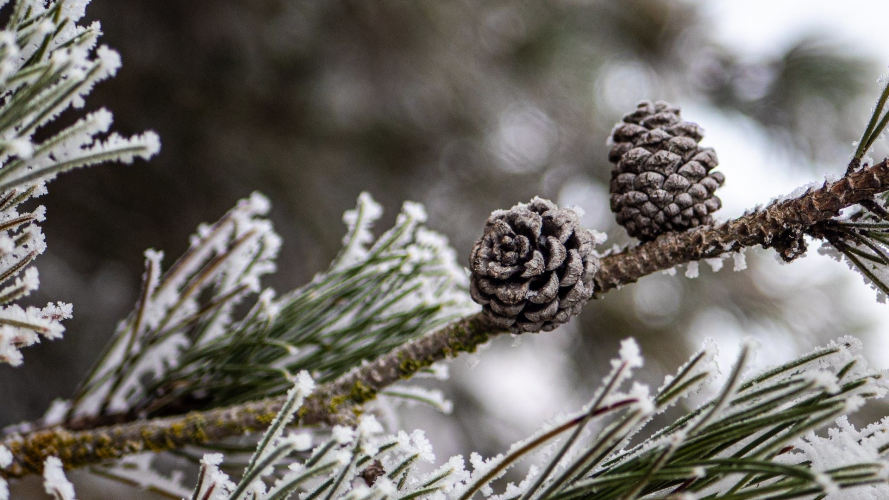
(546, 293)
(545, 314)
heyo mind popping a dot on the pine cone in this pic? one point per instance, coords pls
(662, 180)
(533, 268)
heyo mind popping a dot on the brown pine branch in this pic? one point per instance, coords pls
(778, 225)
(772, 226)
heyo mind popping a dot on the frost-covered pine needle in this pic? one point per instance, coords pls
(187, 308)
(183, 344)
(860, 237)
(48, 64)
(755, 440)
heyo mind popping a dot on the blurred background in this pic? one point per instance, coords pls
(467, 107)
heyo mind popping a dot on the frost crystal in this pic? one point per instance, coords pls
(342, 434)
(20, 242)
(359, 223)
(844, 445)
(301, 442)
(847, 458)
(56, 413)
(740, 260)
(692, 270)
(377, 293)
(715, 263)
(54, 480)
(630, 354)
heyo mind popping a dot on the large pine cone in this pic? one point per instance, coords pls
(662, 179)
(533, 268)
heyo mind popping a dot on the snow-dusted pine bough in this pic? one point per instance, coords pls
(208, 354)
(181, 347)
(48, 64)
(755, 439)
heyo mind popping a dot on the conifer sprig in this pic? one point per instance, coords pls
(753, 440)
(182, 346)
(48, 64)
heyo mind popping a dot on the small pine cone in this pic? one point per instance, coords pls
(662, 179)
(533, 268)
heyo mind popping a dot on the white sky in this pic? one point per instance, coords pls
(764, 27)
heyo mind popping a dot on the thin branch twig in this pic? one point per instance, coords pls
(335, 401)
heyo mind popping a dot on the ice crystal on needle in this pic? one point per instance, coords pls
(859, 237)
(48, 64)
(55, 482)
(21, 241)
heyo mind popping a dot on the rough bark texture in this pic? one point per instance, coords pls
(778, 226)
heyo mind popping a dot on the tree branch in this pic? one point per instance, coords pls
(770, 227)
(335, 401)
(331, 403)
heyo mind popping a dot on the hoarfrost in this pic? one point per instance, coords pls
(48, 64)
(843, 446)
(845, 449)
(228, 259)
(692, 270)
(342, 434)
(56, 413)
(54, 481)
(629, 354)
(740, 260)
(801, 190)
(715, 263)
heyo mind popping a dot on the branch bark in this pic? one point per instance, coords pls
(771, 226)
(335, 402)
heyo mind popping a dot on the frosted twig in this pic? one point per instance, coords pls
(333, 402)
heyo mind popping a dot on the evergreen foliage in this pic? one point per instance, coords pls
(205, 334)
